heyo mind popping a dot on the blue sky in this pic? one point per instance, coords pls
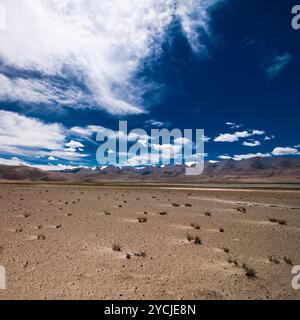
(69, 69)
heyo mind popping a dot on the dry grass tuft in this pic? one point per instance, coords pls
(197, 240)
(225, 249)
(142, 219)
(273, 260)
(163, 213)
(140, 254)
(195, 226)
(279, 221)
(288, 261)
(189, 237)
(249, 271)
(116, 247)
(241, 209)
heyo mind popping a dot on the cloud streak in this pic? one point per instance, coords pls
(277, 64)
(100, 43)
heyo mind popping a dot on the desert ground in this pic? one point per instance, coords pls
(122, 242)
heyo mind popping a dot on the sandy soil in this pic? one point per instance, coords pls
(56, 243)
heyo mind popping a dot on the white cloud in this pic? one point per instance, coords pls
(56, 167)
(277, 64)
(37, 91)
(51, 158)
(102, 43)
(31, 137)
(224, 157)
(226, 137)
(239, 157)
(258, 132)
(74, 144)
(242, 134)
(280, 151)
(251, 144)
(213, 161)
(86, 131)
(66, 154)
(268, 138)
(234, 125)
(206, 139)
(233, 137)
(12, 162)
(155, 123)
(47, 167)
(20, 132)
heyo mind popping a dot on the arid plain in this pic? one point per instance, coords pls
(141, 242)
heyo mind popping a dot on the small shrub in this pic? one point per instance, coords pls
(288, 261)
(241, 209)
(140, 254)
(163, 213)
(41, 237)
(188, 205)
(189, 237)
(116, 247)
(273, 260)
(175, 205)
(195, 226)
(128, 256)
(249, 271)
(233, 261)
(26, 215)
(207, 214)
(279, 221)
(221, 230)
(142, 219)
(197, 240)
(225, 249)
(107, 213)
(19, 230)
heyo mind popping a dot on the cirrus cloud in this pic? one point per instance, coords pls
(102, 44)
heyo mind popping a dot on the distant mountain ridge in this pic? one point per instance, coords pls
(283, 169)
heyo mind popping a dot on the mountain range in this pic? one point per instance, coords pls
(283, 169)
